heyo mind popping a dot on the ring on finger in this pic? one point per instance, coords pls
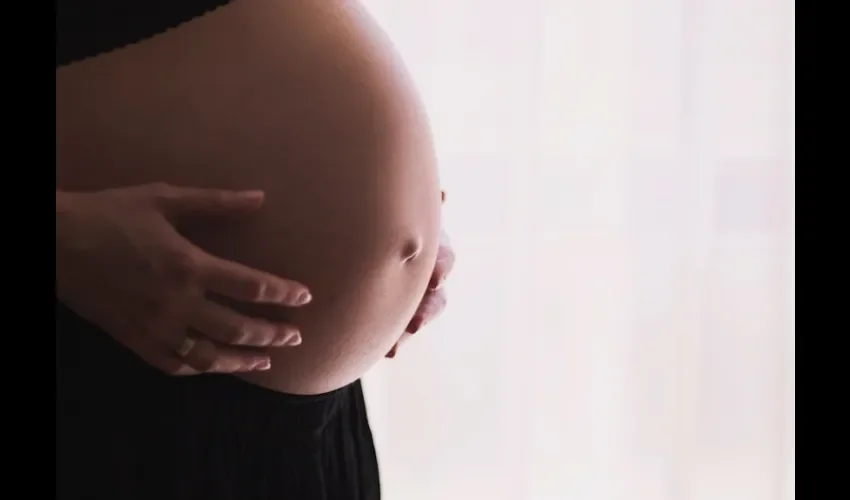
(186, 348)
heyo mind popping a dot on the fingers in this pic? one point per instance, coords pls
(226, 326)
(224, 277)
(193, 356)
(202, 356)
(227, 278)
(238, 282)
(445, 263)
(178, 202)
(394, 350)
(231, 279)
(431, 306)
(397, 346)
(207, 357)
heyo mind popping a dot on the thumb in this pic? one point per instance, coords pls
(182, 202)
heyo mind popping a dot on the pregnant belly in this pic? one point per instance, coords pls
(307, 101)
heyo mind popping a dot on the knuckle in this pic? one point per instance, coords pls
(160, 194)
(249, 287)
(204, 356)
(179, 265)
(240, 334)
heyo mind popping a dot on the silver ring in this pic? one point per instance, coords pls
(186, 347)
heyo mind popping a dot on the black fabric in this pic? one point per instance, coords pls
(126, 431)
(85, 28)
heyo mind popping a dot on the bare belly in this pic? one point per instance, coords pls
(307, 101)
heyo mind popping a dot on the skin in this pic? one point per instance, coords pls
(119, 293)
(434, 301)
(121, 265)
(324, 119)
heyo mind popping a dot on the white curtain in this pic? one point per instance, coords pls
(620, 179)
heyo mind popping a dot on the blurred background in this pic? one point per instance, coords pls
(620, 178)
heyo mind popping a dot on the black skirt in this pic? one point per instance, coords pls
(126, 431)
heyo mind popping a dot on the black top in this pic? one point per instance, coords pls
(86, 28)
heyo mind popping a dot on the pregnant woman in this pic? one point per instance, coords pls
(169, 115)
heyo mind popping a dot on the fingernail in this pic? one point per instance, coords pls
(391, 354)
(290, 338)
(294, 339)
(301, 299)
(263, 365)
(414, 326)
(435, 284)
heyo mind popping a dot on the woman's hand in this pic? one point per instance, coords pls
(434, 300)
(121, 264)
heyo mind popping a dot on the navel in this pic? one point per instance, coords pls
(411, 248)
